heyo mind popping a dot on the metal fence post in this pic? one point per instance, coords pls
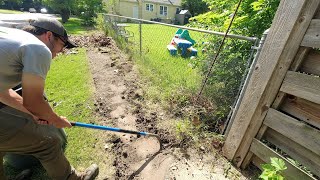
(236, 108)
(140, 26)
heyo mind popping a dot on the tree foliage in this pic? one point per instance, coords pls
(85, 9)
(21, 4)
(195, 7)
(61, 6)
(252, 19)
(11, 4)
(88, 9)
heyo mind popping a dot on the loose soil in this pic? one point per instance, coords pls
(120, 102)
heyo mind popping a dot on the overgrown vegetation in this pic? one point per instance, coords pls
(252, 19)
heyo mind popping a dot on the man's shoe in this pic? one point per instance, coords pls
(91, 172)
(24, 175)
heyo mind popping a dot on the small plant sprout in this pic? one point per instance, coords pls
(273, 170)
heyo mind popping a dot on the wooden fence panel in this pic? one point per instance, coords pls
(264, 153)
(317, 16)
(302, 85)
(302, 109)
(295, 130)
(312, 63)
(295, 150)
(286, 33)
(312, 37)
(257, 162)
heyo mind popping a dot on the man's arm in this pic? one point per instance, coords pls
(32, 93)
(11, 98)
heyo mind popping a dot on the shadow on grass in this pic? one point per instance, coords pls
(38, 172)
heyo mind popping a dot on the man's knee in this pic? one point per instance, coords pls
(50, 148)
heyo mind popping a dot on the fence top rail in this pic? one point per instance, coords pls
(252, 39)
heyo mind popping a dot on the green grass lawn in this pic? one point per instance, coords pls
(7, 11)
(170, 75)
(74, 27)
(69, 87)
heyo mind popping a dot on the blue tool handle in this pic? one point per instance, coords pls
(92, 126)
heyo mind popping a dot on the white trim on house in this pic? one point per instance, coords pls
(163, 11)
(149, 7)
(162, 2)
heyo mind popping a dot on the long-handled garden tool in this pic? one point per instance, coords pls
(106, 128)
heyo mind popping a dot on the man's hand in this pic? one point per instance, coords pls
(61, 122)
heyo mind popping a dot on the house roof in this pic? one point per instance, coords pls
(168, 2)
(185, 12)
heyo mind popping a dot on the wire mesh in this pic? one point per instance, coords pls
(185, 71)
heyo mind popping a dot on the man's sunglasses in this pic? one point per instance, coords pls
(61, 38)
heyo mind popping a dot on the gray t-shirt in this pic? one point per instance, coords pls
(21, 52)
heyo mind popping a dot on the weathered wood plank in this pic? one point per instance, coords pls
(264, 153)
(295, 151)
(295, 130)
(298, 60)
(312, 63)
(317, 16)
(248, 157)
(312, 36)
(302, 85)
(303, 52)
(288, 28)
(257, 162)
(302, 109)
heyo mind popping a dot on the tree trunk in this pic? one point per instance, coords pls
(65, 15)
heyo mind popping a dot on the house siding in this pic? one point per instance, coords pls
(125, 8)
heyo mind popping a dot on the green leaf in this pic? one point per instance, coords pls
(279, 164)
(268, 167)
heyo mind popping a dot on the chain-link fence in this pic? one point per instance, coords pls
(177, 59)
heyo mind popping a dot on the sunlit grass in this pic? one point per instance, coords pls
(170, 75)
(69, 86)
(74, 27)
(7, 11)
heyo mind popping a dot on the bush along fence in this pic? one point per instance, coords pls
(177, 59)
(279, 115)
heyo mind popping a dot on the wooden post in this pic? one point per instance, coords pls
(286, 33)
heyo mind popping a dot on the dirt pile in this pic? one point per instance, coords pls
(94, 40)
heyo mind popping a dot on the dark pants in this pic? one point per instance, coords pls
(19, 134)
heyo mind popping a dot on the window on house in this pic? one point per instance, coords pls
(149, 7)
(163, 10)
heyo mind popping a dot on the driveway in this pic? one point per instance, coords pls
(19, 20)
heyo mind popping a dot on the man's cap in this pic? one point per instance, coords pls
(54, 26)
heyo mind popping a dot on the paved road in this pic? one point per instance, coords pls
(19, 20)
